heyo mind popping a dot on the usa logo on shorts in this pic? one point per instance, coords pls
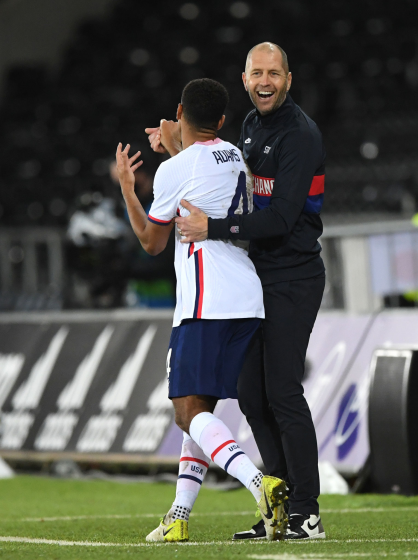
(234, 229)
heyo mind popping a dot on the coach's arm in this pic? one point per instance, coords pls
(298, 158)
(152, 237)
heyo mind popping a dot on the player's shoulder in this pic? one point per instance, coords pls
(170, 175)
(174, 165)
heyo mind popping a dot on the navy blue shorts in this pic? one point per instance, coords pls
(205, 356)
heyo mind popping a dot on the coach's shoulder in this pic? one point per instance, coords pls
(303, 122)
(303, 127)
(299, 137)
(250, 117)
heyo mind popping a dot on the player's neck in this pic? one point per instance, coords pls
(189, 136)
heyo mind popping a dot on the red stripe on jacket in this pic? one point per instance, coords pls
(317, 185)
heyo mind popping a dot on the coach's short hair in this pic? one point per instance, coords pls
(269, 46)
(204, 102)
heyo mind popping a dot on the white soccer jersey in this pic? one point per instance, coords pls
(215, 279)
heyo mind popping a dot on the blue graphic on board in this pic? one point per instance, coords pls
(348, 421)
(345, 431)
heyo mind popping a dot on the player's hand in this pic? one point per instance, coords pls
(192, 228)
(126, 167)
(170, 136)
(154, 137)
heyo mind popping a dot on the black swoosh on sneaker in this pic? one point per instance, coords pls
(312, 527)
(166, 532)
(269, 513)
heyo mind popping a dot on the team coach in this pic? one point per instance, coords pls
(284, 150)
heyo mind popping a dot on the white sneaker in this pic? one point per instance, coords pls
(304, 526)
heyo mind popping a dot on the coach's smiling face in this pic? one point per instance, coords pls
(265, 79)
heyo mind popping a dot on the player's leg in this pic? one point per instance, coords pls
(193, 463)
(210, 437)
(174, 525)
(217, 441)
(193, 466)
(291, 310)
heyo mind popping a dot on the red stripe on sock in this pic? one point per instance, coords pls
(220, 448)
(204, 463)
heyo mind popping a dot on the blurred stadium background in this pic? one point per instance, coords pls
(78, 77)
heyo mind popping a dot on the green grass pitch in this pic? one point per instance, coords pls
(66, 519)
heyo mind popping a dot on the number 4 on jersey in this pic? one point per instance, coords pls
(241, 190)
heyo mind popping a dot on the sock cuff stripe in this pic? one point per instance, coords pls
(220, 448)
(204, 463)
(194, 478)
(232, 458)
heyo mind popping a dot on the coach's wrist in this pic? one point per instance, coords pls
(218, 228)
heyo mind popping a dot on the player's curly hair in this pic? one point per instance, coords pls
(204, 102)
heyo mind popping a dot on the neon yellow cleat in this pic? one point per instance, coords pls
(271, 507)
(177, 531)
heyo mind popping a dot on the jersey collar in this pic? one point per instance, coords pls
(209, 142)
(284, 111)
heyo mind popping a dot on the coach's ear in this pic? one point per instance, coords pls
(179, 111)
(221, 123)
(244, 80)
(289, 81)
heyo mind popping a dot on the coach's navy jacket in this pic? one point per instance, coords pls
(286, 155)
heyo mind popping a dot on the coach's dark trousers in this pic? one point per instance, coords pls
(271, 394)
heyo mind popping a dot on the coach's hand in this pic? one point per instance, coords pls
(154, 137)
(193, 228)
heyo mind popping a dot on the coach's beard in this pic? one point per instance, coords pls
(278, 103)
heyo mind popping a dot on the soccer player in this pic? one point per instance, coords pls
(284, 150)
(219, 301)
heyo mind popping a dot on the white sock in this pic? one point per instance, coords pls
(255, 486)
(217, 442)
(193, 466)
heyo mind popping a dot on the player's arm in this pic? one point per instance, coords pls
(298, 161)
(165, 138)
(153, 237)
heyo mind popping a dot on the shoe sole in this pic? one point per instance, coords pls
(319, 536)
(248, 538)
(158, 536)
(164, 540)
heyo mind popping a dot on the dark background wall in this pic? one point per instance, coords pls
(78, 77)
(38, 30)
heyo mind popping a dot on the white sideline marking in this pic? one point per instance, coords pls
(62, 543)
(156, 515)
(328, 555)
(370, 510)
(209, 543)
(129, 516)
